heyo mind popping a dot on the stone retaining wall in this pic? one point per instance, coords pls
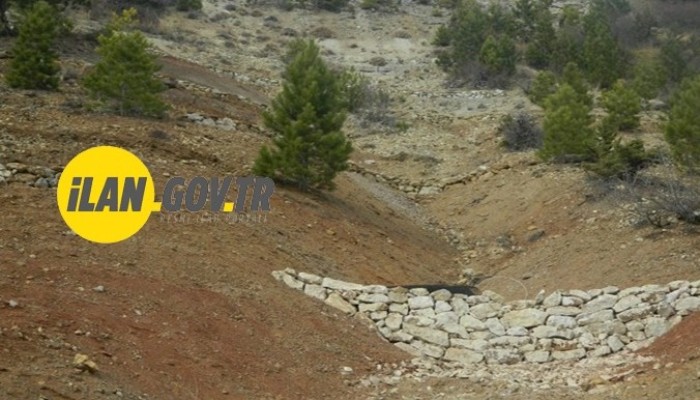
(564, 325)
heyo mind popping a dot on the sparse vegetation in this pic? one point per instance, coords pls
(367, 101)
(663, 195)
(330, 5)
(521, 132)
(386, 5)
(189, 5)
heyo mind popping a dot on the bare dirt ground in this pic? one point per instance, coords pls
(190, 310)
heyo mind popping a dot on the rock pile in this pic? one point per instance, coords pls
(37, 176)
(562, 326)
(226, 123)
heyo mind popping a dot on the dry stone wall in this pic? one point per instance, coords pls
(562, 326)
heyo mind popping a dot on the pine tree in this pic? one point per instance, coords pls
(672, 58)
(573, 77)
(501, 20)
(498, 55)
(568, 43)
(602, 56)
(124, 78)
(542, 87)
(683, 129)
(443, 37)
(540, 49)
(525, 13)
(567, 132)
(35, 63)
(306, 118)
(649, 77)
(623, 105)
(469, 24)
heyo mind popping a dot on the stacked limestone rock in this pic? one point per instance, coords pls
(563, 326)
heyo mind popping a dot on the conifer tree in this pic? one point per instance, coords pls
(501, 20)
(306, 118)
(35, 63)
(623, 105)
(683, 129)
(569, 40)
(542, 87)
(525, 13)
(672, 58)
(123, 78)
(498, 55)
(469, 24)
(567, 131)
(649, 77)
(573, 77)
(602, 56)
(539, 50)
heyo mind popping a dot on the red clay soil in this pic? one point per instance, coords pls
(678, 345)
(190, 310)
(674, 374)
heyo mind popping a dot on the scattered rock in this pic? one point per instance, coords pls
(535, 235)
(315, 291)
(83, 363)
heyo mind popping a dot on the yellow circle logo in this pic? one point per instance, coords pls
(105, 194)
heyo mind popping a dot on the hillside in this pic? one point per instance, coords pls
(190, 310)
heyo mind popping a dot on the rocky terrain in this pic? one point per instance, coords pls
(191, 310)
(470, 329)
